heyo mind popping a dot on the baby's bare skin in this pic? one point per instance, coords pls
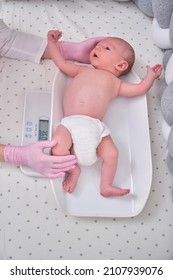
(89, 93)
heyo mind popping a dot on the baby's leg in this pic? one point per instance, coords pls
(64, 143)
(109, 154)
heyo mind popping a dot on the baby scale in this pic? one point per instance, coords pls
(127, 119)
(36, 121)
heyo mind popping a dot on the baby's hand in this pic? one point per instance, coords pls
(155, 71)
(54, 35)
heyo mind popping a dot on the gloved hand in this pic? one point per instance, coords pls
(79, 51)
(34, 157)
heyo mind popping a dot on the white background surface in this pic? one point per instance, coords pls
(32, 225)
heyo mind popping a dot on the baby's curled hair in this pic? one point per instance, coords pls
(128, 55)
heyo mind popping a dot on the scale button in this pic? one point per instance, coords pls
(28, 129)
(28, 123)
(28, 135)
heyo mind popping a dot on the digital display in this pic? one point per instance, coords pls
(43, 130)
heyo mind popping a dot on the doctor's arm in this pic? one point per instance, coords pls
(34, 157)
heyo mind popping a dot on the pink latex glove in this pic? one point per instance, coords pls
(79, 51)
(34, 157)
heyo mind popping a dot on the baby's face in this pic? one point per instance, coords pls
(107, 52)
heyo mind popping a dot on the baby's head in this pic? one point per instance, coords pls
(113, 54)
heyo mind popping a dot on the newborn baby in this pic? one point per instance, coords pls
(86, 100)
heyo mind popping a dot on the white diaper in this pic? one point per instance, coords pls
(86, 133)
(20, 45)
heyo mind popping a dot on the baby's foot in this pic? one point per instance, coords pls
(113, 191)
(70, 181)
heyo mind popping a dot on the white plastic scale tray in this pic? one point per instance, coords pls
(128, 122)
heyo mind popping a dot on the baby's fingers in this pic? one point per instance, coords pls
(57, 35)
(157, 69)
(54, 35)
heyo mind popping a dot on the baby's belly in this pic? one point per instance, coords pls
(85, 102)
(81, 108)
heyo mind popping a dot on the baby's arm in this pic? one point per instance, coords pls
(127, 89)
(69, 68)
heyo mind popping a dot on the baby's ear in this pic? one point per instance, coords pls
(122, 66)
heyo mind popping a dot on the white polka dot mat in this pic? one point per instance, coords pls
(32, 225)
